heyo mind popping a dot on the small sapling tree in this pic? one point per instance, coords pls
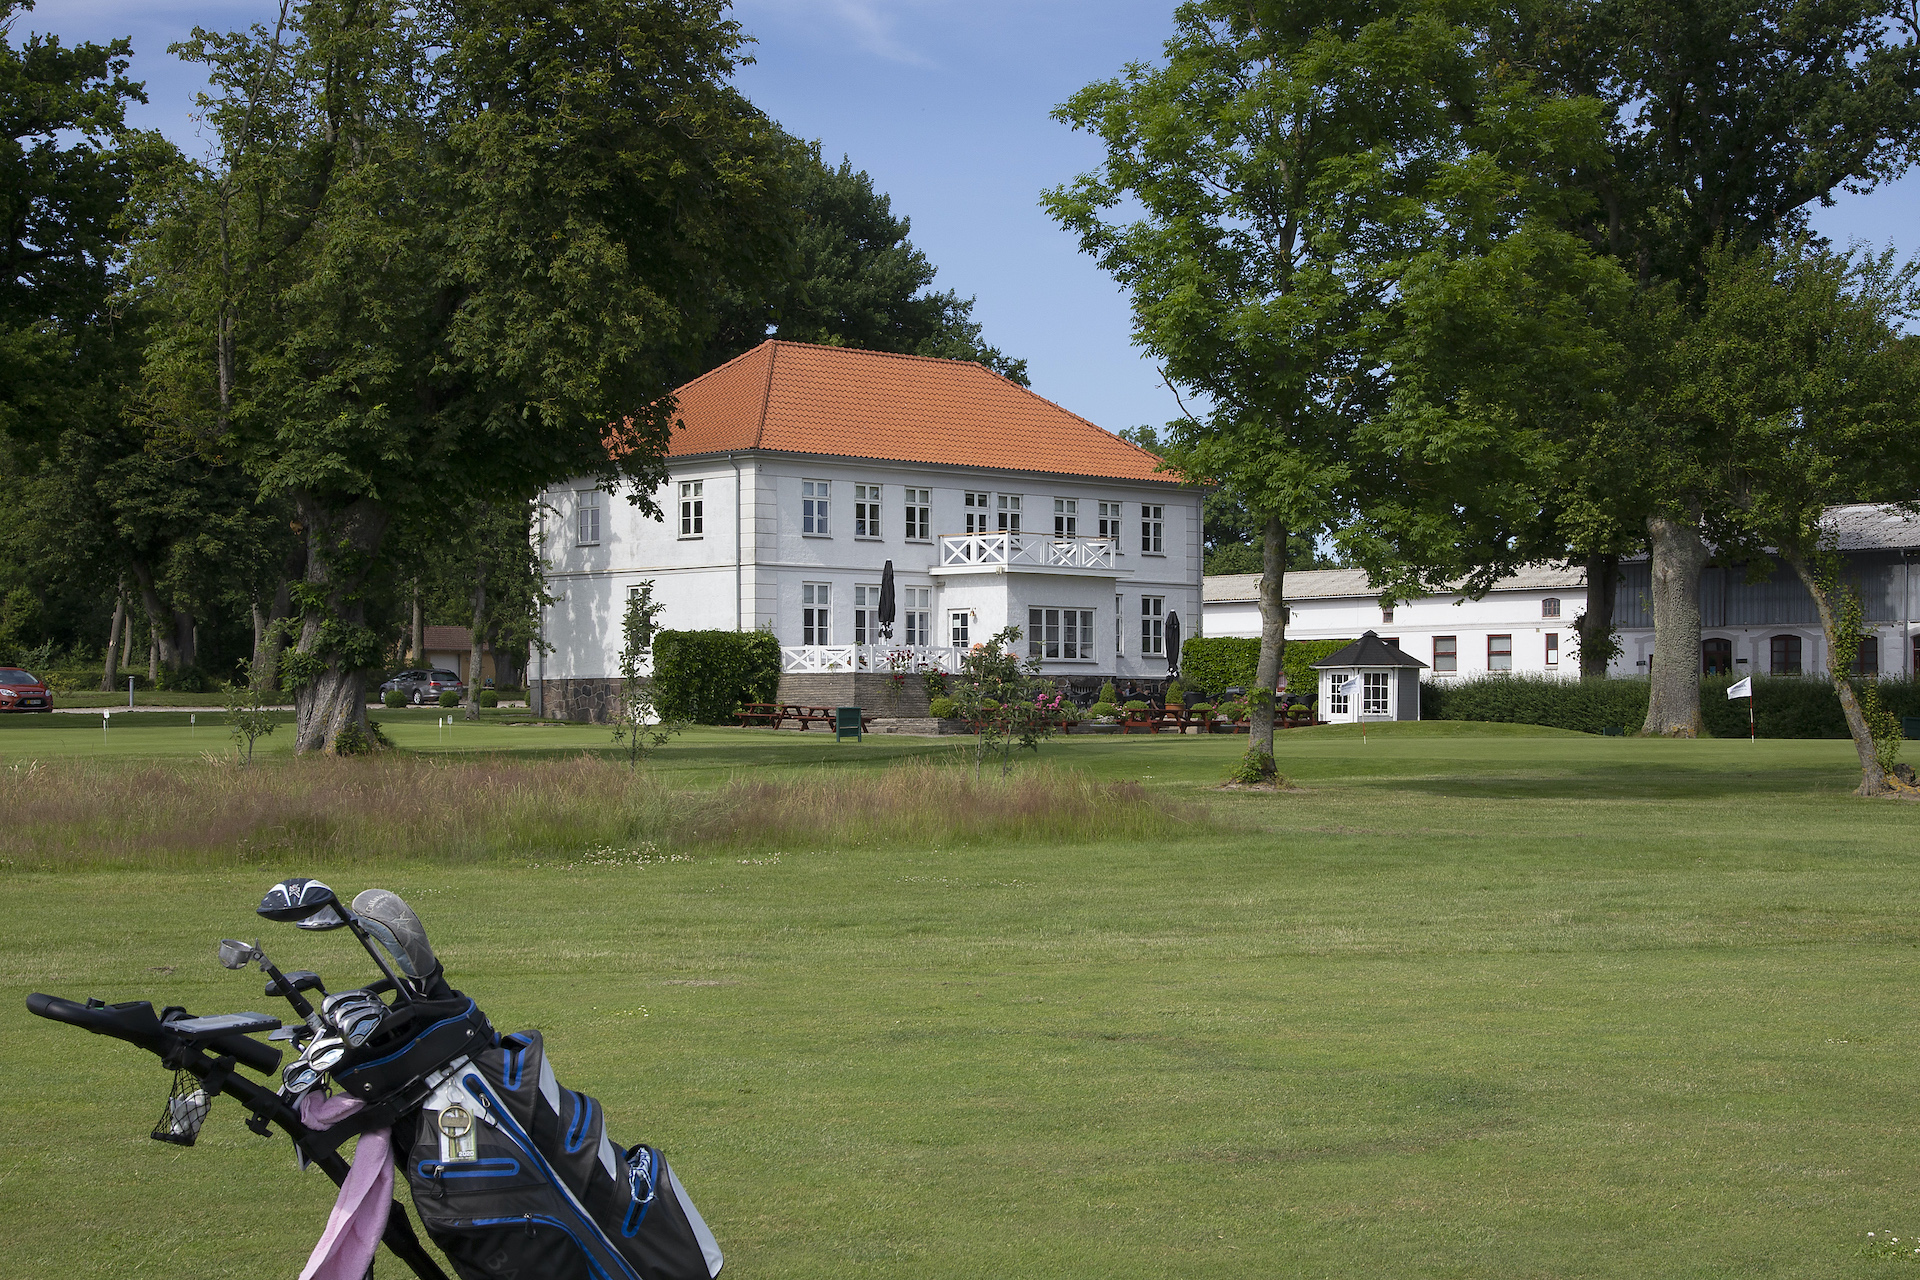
(248, 718)
(637, 723)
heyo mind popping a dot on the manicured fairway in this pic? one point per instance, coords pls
(1471, 1002)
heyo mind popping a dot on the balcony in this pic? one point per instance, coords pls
(1004, 552)
(879, 659)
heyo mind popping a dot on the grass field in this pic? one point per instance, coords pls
(1471, 1001)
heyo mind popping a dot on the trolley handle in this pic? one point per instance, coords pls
(135, 1022)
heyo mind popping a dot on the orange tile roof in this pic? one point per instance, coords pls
(794, 397)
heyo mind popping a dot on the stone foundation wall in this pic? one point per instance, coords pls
(875, 695)
(589, 700)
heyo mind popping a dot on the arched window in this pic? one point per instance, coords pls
(1550, 607)
(1716, 656)
(1784, 653)
(1867, 661)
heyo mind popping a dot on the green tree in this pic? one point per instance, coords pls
(851, 278)
(1314, 183)
(1796, 378)
(1726, 122)
(637, 721)
(444, 254)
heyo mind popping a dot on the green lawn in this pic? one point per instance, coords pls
(1472, 1001)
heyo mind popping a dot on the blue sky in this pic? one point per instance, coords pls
(945, 103)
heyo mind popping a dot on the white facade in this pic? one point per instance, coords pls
(795, 544)
(1525, 624)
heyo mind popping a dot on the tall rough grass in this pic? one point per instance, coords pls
(87, 814)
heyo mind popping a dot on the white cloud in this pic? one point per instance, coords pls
(873, 25)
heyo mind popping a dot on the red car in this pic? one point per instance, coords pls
(19, 691)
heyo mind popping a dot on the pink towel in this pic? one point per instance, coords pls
(359, 1216)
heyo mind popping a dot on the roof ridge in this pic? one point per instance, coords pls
(868, 351)
(1070, 413)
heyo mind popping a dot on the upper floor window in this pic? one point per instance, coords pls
(978, 510)
(1008, 511)
(1110, 520)
(814, 499)
(586, 513)
(1386, 615)
(693, 503)
(1066, 517)
(866, 511)
(919, 517)
(1550, 607)
(1153, 522)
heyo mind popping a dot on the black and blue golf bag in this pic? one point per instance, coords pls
(512, 1174)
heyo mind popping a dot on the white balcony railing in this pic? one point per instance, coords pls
(1024, 551)
(880, 658)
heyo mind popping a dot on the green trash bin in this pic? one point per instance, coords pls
(1910, 728)
(846, 720)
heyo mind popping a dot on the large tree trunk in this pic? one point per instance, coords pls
(335, 648)
(475, 637)
(1673, 702)
(173, 632)
(417, 640)
(1273, 647)
(271, 641)
(111, 676)
(1595, 626)
(1873, 782)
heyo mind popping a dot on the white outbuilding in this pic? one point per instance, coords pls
(1370, 679)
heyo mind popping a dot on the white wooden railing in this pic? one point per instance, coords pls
(1025, 550)
(881, 658)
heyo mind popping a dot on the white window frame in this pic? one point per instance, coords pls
(816, 613)
(919, 509)
(816, 504)
(977, 507)
(1119, 625)
(866, 613)
(1153, 626)
(957, 631)
(693, 509)
(586, 517)
(1066, 518)
(1153, 528)
(866, 512)
(1110, 522)
(917, 615)
(1339, 701)
(1006, 510)
(1376, 692)
(1061, 635)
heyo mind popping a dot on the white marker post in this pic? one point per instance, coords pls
(129, 693)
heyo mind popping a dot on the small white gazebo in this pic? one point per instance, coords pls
(1370, 679)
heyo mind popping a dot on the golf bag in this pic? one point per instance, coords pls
(511, 1173)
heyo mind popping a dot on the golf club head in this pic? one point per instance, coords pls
(237, 955)
(387, 917)
(305, 902)
(356, 1015)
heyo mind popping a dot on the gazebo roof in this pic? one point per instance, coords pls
(1369, 651)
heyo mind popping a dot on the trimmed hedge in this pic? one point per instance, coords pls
(1218, 663)
(705, 676)
(1784, 706)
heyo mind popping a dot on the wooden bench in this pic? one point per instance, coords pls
(768, 713)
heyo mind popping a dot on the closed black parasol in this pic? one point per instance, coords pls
(1173, 642)
(886, 601)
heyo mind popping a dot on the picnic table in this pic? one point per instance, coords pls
(775, 714)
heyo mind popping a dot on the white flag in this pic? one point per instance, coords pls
(1741, 688)
(1346, 686)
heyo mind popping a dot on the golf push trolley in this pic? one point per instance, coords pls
(511, 1174)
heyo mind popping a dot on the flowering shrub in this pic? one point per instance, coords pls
(1009, 704)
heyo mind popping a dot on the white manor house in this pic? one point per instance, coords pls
(796, 473)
